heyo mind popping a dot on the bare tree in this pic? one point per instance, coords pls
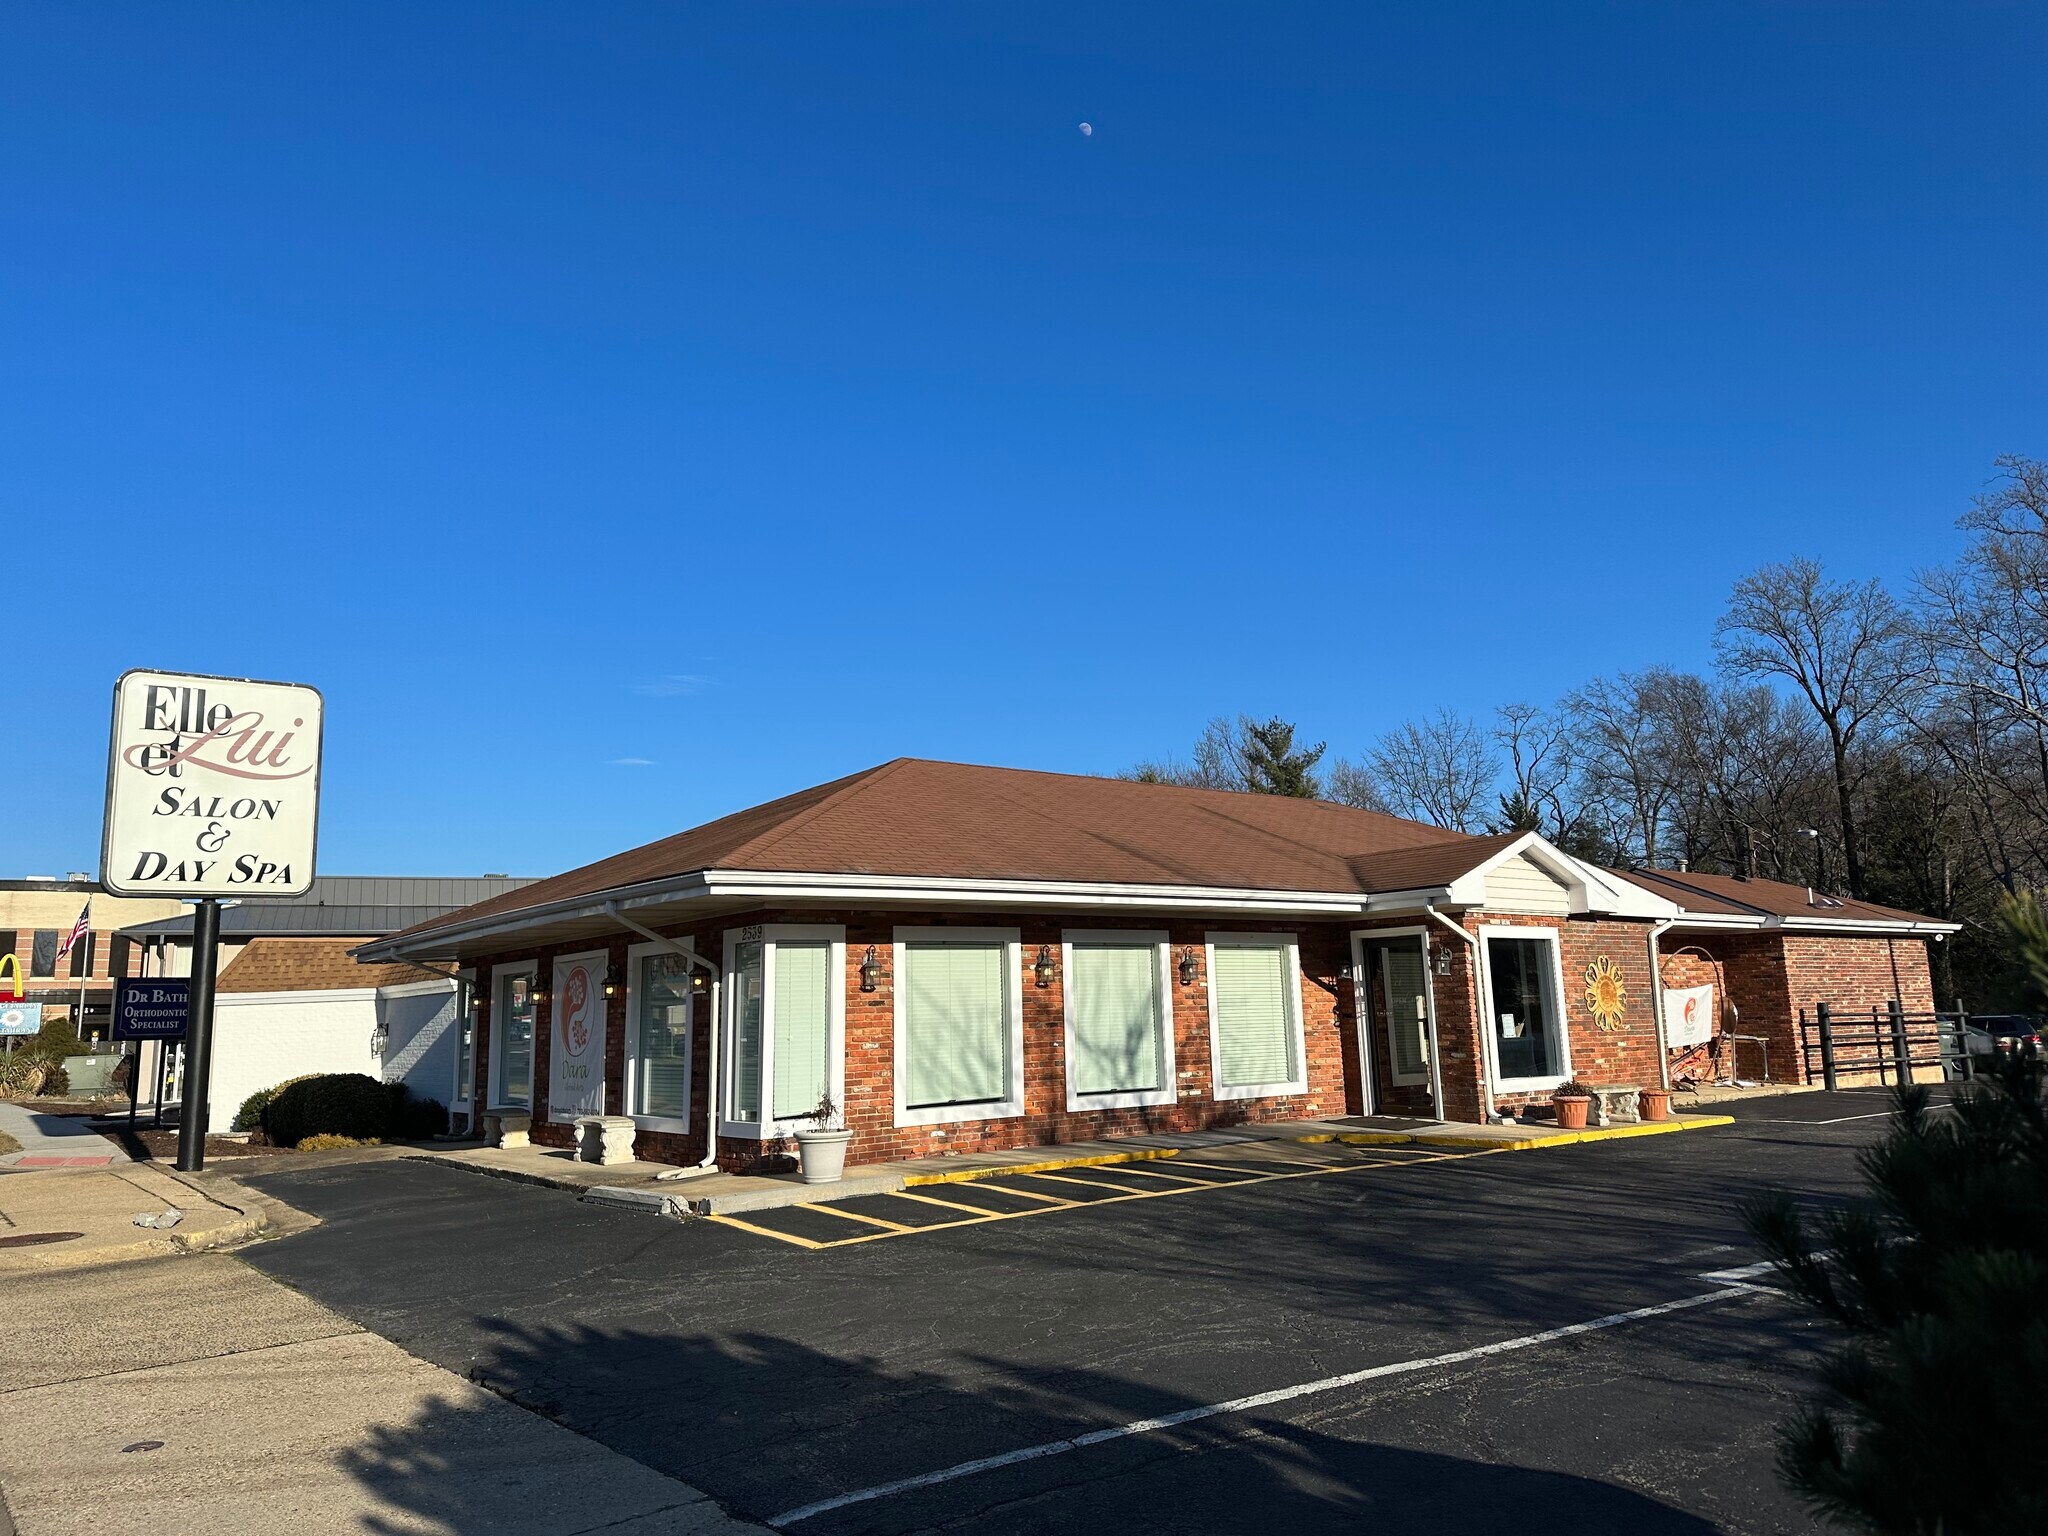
(1624, 773)
(1253, 756)
(1350, 783)
(1839, 644)
(1440, 769)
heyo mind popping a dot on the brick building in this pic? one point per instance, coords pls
(965, 958)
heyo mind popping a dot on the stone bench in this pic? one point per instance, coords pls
(1616, 1105)
(507, 1130)
(605, 1138)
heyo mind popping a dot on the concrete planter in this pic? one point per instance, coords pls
(823, 1155)
(1655, 1104)
(1571, 1111)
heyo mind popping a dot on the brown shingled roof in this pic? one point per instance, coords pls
(1724, 895)
(310, 965)
(913, 817)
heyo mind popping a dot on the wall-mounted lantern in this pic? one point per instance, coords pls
(699, 981)
(1187, 965)
(614, 981)
(870, 970)
(1443, 959)
(537, 990)
(1041, 968)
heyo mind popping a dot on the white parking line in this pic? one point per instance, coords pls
(1244, 1404)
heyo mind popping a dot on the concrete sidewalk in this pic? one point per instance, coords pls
(654, 1186)
(53, 1141)
(194, 1395)
(72, 1218)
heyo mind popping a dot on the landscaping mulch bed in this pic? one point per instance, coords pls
(146, 1145)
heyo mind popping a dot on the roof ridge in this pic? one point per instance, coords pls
(864, 779)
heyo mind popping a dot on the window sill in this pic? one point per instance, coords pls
(1259, 1090)
(959, 1114)
(1136, 1098)
(1530, 1084)
(675, 1125)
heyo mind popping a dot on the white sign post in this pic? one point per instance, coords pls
(213, 789)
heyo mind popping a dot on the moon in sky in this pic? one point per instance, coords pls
(1087, 130)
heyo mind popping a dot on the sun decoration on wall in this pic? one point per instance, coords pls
(1605, 993)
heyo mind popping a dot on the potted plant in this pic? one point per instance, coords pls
(821, 1148)
(1572, 1101)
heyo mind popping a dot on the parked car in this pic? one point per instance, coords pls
(1988, 1033)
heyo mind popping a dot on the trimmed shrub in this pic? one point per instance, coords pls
(332, 1103)
(250, 1116)
(327, 1143)
(414, 1118)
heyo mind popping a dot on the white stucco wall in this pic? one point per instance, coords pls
(262, 1038)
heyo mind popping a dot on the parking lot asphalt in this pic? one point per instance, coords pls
(1393, 1328)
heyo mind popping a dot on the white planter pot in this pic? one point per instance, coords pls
(823, 1155)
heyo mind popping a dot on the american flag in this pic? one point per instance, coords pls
(78, 930)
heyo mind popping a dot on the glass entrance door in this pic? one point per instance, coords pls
(1395, 1010)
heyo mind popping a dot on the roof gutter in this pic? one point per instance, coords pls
(708, 1163)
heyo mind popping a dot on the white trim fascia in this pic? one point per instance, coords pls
(302, 995)
(1298, 1084)
(1490, 1022)
(859, 889)
(769, 934)
(1846, 927)
(417, 988)
(679, 1124)
(494, 1103)
(1168, 1091)
(1589, 888)
(1010, 1107)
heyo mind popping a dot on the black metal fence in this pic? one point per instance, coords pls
(1888, 1043)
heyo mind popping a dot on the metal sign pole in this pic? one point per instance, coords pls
(198, 1039)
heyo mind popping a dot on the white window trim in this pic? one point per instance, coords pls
(463, 1096)
(1140, 1098)
(835, 1066)
(1299, 1083)
(635, 953)
(500, 974)
(1011, 1106)
(1490, 1019)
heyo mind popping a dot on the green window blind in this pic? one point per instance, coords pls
(661, 1042)
(803, 1017)
(1113, 994)
(1407, 1016)
(956, 1033)
(746, 1043)
(1254, 1040)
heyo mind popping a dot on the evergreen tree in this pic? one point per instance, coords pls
(1273, 765)
(1929, 1420)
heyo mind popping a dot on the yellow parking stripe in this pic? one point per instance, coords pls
(1179, 1178)
(1119, 1193)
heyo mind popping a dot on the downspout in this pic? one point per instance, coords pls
(709, 1162)
(1478, 1044)
(1657, 931)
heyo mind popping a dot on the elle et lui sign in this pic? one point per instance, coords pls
(213, 787)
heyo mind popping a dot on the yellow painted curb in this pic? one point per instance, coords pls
(1050, 1165)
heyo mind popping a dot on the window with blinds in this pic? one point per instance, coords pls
(1405, 999)
(661, 1038)
(1116, 1025)
(1252, 1016)
(513, 1018)
(749, 1000)
(956, 1029)
(801, 1052)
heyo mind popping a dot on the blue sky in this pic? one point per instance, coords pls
(762, 391)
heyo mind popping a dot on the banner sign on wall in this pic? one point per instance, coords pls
(1688, 1016)
(213, 787)
(151, 1008)
(20, 1018)
(576, 1038)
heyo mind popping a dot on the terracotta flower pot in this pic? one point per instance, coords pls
(1571, 1111)
(1654, 1104)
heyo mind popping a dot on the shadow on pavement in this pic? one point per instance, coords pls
(766, 1426)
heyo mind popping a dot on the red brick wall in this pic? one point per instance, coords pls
(1772, 976)
(1328, 1021)
(1626, 1055)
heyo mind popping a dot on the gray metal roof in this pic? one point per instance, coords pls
(353, 906)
